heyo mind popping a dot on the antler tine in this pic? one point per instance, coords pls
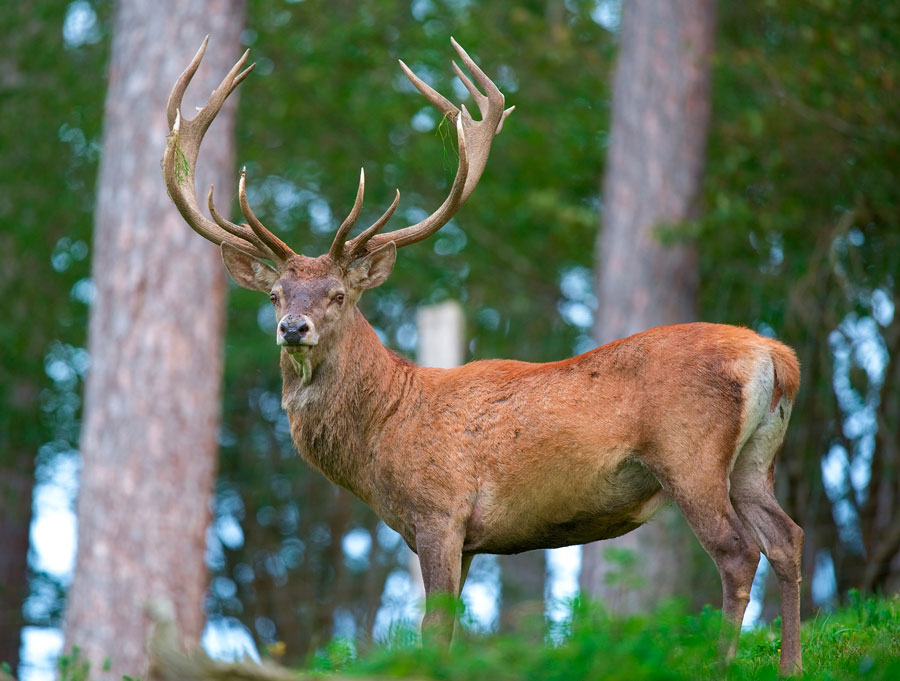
(357, 246)
(205, 116)
(337, 246)
(441, 103)
(178, 90)
(474, 138)
(280, 249)
(180, 159)
(242, 232)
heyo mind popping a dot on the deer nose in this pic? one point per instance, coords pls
(294, 330)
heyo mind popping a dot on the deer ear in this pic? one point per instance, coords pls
(248, 271)
(373, 269)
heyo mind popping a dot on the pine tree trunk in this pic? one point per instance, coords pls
(155, 340)
(16, 484)
(522, 578)
(661, 104)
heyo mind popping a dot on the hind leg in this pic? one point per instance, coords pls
(708, 510)
(781, 539)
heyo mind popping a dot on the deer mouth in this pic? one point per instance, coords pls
(298, 348)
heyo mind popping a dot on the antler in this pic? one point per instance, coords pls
(179, 164)
(474, 139)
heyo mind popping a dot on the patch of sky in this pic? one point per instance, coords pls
(882, 307)
(53, 536)
(53, 525)
(605, 13)
(857, 342)
(579, 302)
(390, 305)
(80, 27)
(229, 532)
(41, 647)
(506, 79)
(357, 544)
(824, 582)
(757, 595)
(424, 120)
(84, 291)
(561, 587)
(407, 337)
(451, 239)
(460, 92)
(344, 627)
(399, 606)
(387, 538)
(67, 252)
(225, 638)
(481, 594)
(265, 318)
(420, 9)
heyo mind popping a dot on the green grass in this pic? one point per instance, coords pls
(860, 641)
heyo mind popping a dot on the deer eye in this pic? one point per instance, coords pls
(339, 298)
(273, 298)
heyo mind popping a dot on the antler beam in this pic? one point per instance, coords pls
(180, 160)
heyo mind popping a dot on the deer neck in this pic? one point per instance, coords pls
(338, 404)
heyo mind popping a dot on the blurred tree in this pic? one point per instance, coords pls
(660, 119)
(522, 580)
(51, 114)
(152, 396)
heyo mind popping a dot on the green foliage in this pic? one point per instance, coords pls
(860, 641)
(73, 666)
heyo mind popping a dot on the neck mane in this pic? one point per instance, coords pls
(338, 413)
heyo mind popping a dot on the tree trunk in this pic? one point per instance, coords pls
(522, 578)
(661, 104)
(16, 483)
(155, 340)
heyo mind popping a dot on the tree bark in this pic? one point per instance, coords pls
(16, 484)
(645, 278)
(522, 579)
(155, 340)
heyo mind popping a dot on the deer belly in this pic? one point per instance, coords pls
(575, 510)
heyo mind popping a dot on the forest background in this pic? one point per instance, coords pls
(798, 236)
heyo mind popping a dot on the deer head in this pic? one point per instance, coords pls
(315, 297)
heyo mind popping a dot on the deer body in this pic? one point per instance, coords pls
(500, 456)
(517, 456)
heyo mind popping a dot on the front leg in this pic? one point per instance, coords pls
(440, 555)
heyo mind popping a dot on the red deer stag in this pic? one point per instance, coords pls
(500, 456)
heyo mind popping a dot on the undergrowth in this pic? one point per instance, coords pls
(859, 641)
